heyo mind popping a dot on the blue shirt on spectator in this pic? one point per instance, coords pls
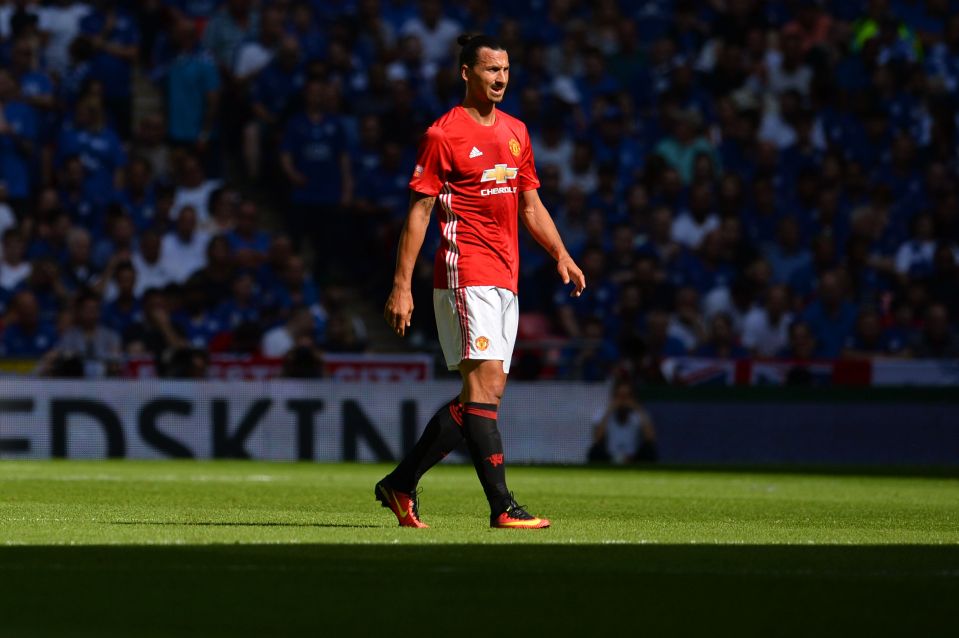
(114, 72)
(140, 210)
(190, 77)
(830, 329)
(260, 241)
(15, 165)
(101, 154)
(275, 88)
(18, 343)
(230, 314)
(119, 319)
(198, 330)
(316, 146)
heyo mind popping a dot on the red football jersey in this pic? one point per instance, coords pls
(477, 173)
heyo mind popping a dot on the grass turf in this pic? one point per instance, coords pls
(262, 549)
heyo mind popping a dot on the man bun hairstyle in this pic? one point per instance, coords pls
(472, 43)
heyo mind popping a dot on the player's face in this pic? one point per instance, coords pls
(487, 79)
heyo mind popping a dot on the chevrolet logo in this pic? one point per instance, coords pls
(500, 173)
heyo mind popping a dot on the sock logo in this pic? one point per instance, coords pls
(495, 459)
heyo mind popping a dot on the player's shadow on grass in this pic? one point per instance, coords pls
(239, 524)
(238, 590)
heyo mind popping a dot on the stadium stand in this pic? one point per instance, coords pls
(738, 179)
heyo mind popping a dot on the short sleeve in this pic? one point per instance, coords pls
(433, 163)
(528, 179)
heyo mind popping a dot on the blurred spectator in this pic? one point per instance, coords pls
(97, 145)
(194, 190)
(624, 432)
(125, 308)
(138, 197)
(867, 340)
(435, 32)
(151, 270)
(60, 21)
(721, 342)
(316, 161)
(13, 267)
(242, 306)
(218, 273)
(183, 249)
(192, 88)
(693, 224)
(802, 343)
(115, 37)
(766, 328)
(19, 139)
(156, 333)
(296, 332)
(685, 143)
(938, 339)
(89, 340)
(79, 271)
(232, 24)
(254, 54)
(248, 244)
(195, 319)
(26, 335)
(686, 322)
(831, 317)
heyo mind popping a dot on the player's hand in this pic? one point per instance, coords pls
(570, 272)
(399, 310)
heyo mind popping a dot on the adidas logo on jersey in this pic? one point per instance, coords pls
(475, 153)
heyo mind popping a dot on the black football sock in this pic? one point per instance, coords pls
(486, 449)
(441, 436)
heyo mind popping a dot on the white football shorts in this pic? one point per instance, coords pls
(476, 322)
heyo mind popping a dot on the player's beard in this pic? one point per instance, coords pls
(495, 98)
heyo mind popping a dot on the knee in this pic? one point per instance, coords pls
(485, 385)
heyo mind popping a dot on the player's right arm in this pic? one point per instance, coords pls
(399, 305)
(433, 163)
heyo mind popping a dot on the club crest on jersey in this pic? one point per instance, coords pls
(482, 343)
(514, 147)
(418, 170)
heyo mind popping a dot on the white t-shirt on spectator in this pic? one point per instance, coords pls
(198, 198)
(718, 300)
(276, 342)
(182, 259)
(7, 220)
(437, 43)
(690, 233)
(149, 275)
(622, 437)
(10, 276)
(250, 59)
(62, 25)
(914, 253)
(763, 335)
(560, 155)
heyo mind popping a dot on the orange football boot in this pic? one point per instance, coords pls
(516, 517)
(404, 505)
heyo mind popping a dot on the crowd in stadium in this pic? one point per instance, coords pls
(736, 178)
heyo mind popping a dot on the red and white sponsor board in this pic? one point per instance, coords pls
(340, 367)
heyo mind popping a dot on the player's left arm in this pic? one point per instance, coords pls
(540, 225)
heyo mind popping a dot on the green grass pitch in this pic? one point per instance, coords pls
(267, 549)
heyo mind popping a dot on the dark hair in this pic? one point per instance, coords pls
(472, 43)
